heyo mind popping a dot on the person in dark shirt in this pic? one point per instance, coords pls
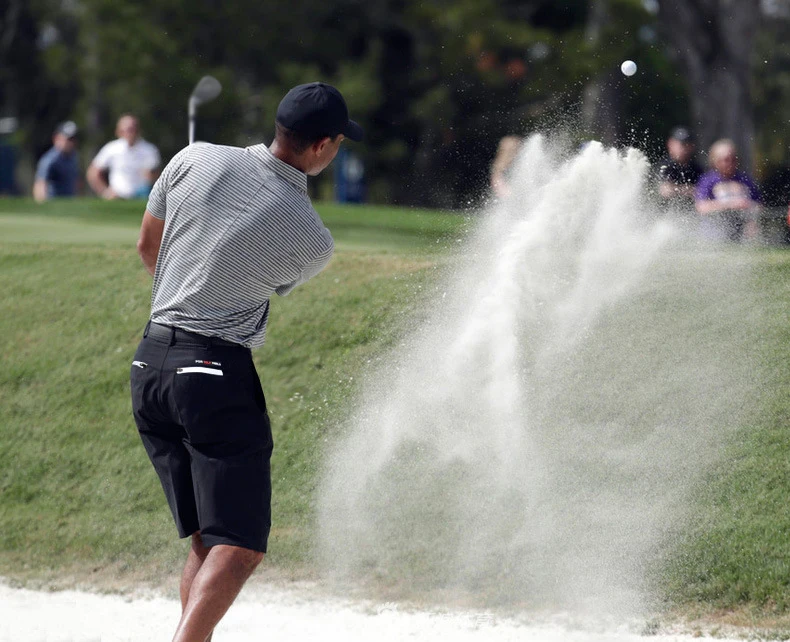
(678, 170)
(57, 173)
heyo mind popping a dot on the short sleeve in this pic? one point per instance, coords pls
(157, 199)
(705, 188)
(102, 159)
(313, 267)
(44, 165)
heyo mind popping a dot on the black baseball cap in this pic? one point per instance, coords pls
(682, 134)
(317, 109)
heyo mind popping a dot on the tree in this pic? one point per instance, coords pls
(712, 41)
(435, 84)
(772, 104)
(601, 98)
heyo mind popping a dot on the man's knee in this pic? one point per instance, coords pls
(201, 550)
(242, 559)
(249, 557)
(256, 559)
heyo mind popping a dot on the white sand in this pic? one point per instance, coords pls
(274, 614)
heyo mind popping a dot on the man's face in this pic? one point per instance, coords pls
(128, 129)
(680, 151)
(726, 162)
(324, 155)
(64, 143)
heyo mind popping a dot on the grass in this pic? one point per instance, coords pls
(75, 298)
(77, 492)
(735, 551)
(92, 221)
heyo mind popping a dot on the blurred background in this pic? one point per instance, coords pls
(436, 84)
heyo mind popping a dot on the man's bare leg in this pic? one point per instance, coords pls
(195, 559)
(197, 555)
(213, 588)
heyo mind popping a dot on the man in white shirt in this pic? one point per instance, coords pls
(126, 167)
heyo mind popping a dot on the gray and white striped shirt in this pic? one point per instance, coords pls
(239, 226)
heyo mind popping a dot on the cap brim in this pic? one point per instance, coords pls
(353, 131)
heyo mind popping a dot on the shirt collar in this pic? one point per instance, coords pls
(294, 176)
(137, 141)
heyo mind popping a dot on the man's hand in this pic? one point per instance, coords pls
(668, 189)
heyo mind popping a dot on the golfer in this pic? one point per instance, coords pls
(224, 229)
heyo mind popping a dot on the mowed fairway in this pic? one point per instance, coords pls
(78, 496)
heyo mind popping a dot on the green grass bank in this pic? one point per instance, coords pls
(77, 489)
(78, 494)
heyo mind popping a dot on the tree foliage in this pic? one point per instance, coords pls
(713, 41)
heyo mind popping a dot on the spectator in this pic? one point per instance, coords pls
(57, 173)
(679, 171)
(502, 167)
(727, 198)
(132, 164)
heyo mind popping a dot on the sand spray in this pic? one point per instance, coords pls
(534, 440)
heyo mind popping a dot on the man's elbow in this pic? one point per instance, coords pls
(94, 178)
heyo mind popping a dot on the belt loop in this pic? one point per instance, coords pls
(147, 328)
(172, 341)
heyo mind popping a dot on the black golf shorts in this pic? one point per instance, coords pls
(201, 414)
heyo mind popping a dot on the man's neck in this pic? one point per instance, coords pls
(284, 154)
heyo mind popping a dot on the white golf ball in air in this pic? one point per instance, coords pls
(628, 67)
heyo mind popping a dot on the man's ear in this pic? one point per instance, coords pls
(320, 145)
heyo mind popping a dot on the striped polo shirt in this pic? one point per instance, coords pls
(239, 227)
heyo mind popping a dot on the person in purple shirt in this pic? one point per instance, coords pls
(727, 199)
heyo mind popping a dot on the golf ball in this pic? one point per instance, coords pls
(628, 67)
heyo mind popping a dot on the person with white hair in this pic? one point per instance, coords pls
(727, 199)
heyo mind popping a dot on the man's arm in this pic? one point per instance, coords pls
(95, 176)
(670, 189)
(97, 170)
(150, 240)
(40, 190)
(154, 218)
(41, 184)
(711, 206)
